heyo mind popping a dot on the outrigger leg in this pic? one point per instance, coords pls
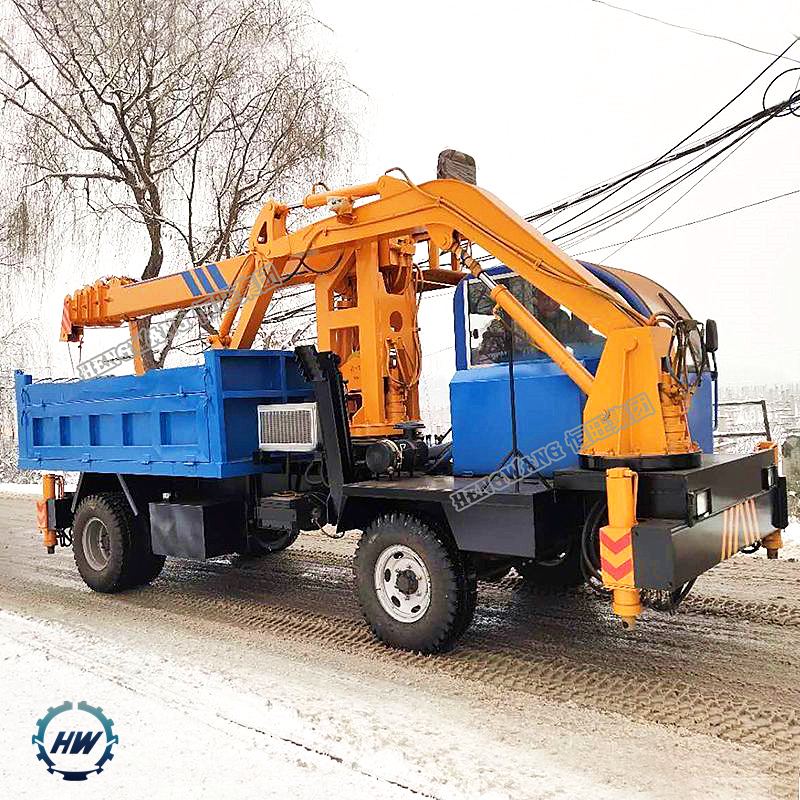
(616, 545)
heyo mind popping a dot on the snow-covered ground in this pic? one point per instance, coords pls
(21, 488)
(29, 488)
(164, 749)
(259, 679)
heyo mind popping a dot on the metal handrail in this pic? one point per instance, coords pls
(732, 434)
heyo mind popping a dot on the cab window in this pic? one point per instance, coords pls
(490, 339)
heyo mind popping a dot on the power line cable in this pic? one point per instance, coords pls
(674, 203)
(639, 171)
(654, 191)
(551, 217)
(600, 224)
(749, 125)
(690, 30)
(694, 222)
(655, 194)
(609, 188)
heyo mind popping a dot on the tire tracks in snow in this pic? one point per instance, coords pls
(305, 595)
(483, 657)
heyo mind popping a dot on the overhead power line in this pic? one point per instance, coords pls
(679, 198)
(693, 222)
(691, 30)
(608, 220)
(602, 192)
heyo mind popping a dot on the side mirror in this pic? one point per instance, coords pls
(712, 338)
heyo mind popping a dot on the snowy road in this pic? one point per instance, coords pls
(258, 679)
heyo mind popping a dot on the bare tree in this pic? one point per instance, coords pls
(178, 117)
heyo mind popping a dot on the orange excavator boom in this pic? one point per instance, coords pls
(360, 259)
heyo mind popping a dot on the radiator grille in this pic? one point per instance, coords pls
(287, 427)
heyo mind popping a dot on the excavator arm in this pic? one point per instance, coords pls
(360, 260)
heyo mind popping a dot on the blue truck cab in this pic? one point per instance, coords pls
(547, 403)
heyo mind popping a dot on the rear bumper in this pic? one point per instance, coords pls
(741, 499)
(668, 553)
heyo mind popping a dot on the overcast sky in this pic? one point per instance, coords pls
(553, 97)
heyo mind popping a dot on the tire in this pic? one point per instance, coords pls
(469, 600)
(147, 570)
(103, 542)
(130, 559)
(429, 600)
(562, 572)
(261, 545)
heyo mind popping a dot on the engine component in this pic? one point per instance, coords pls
(279, 519)
(390, 456)
(285, 511)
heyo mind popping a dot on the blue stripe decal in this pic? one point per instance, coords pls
(190, 283)
(216, 275)
(202, 277)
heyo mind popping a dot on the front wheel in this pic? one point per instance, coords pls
(415, 592)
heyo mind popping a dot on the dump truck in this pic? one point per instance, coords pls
(582, 410)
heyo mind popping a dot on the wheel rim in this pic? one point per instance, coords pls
(402, 583)
(96, 544)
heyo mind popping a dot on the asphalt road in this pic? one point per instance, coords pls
(259, 679)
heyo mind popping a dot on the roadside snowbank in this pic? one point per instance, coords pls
(20, 488)
(29, 488)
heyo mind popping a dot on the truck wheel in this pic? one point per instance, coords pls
(264, 543)
(147, 570)
(561, 571)
(103, 542)
(469, 597)
(414, 592)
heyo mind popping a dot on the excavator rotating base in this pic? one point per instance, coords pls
(642, 463)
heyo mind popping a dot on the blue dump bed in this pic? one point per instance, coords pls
(191, 421)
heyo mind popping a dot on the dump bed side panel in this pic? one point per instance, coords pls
(193, 421)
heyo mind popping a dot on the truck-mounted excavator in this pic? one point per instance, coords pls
(570, 461)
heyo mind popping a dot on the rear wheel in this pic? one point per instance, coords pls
(265, 542)
(146, 566)
(559, 569)
(112, 552)
(102, 541)
(416, 592)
